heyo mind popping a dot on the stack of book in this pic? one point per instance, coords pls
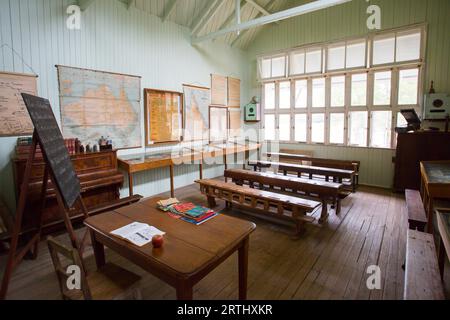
(187, 211)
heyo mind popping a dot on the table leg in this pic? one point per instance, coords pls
(184, 291)
(200, 167)
(225, 164)
(130, 183)
(243, 269)
(441, 257)
(429, 210)
(324, 214)
(99, 251)
(172, 188)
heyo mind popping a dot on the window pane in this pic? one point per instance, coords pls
(318, 93)
(338, 91)
(337, 124)
(265, 68)
(297, 63)
(301, 93)
(408, 47)
(382, 89)
(358, 129)
(408, 86)
(314, 61)
(285, 127)
(301, 124)
(285, 95)
(336, 57)
(279, 67)
(380, 129)
(269, 96)
(269, 127)
(359, 89)
(318, 128)
(383, 50)
(356, 54)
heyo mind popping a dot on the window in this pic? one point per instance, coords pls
(336, 57)
(380, 128)
(337, 127)
(318, 94)
(356, 54)
(408, 87)
(301, 94)
(383, 50)
(297, 63)
(285, 95)
(314, 61)
(359, 90)
(358, 128)
(382, 88)
(285, 127)
(272, 67)
(349, 92)
(269, 96)
(301, 127)
(408, 46)
(338, 91)
(318, 128)
(269, 127)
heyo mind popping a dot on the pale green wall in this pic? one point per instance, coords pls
(349, 20)
(112, 39)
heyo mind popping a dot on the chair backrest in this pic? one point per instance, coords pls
(56, 251)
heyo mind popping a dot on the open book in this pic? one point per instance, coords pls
(138, 233)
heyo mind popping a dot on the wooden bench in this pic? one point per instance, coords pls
(353, 165)
(336, 175)
(417, 217)
(283, 207)
(422, 277)
(326, 192)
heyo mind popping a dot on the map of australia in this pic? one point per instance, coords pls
(96, 104)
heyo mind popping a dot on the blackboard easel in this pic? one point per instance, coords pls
(59, 169)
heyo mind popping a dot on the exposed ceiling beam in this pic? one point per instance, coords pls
(232, 16)
(170, 7)
(198, 22)
(269, 5)
(84, 4)
(278, 16)
(130, 3)
(210, 16)
(258, 7)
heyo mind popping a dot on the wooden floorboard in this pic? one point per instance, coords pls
(328, 261)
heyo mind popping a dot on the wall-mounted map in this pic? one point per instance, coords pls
(196, 101)
(95, 104)
(14, 117)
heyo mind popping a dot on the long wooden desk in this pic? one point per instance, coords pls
(325, 191)
(443, 222)
(435, 185)
(181, 155)
(337, 174)
(189, 252)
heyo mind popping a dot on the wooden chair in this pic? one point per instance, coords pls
(111, 282)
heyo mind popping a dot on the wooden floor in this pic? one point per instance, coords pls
(328, 262)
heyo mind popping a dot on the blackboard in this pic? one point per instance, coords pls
(53, 148)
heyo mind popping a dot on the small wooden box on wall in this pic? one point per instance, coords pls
(99, 177)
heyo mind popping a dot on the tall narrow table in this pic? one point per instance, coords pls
(189, 252)
(435, 185)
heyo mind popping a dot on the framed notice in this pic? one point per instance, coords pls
(218, 119)
(219, 90)
(234, 93)
(234, 122)
(14, 117)
(163, 116)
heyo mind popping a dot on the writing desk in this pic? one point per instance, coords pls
(189, 252)
(443, 222)
(435, 185)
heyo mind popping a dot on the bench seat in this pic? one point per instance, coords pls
(417, 217)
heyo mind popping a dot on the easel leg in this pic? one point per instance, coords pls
(43, 203)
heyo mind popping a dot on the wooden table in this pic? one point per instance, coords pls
(443, 222)
(189, 252)
(435, 185)
(181, 155)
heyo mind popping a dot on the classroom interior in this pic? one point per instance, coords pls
(224, 149)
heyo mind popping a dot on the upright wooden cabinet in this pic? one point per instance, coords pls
(412, 148)
(99, 177)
